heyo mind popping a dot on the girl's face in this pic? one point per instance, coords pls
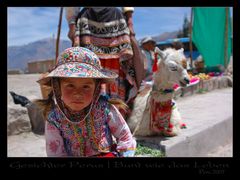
(77, 93)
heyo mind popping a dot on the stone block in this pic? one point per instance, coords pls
(18, 120)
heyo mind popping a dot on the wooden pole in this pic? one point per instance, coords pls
(226, 39)
(45, 90)
(58, 34)
(190, 38)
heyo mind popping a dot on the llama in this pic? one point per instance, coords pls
(154, 111)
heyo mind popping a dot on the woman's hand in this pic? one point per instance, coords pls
(76, 41)
(71, 32)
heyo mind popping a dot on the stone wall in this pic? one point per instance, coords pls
(205, 86)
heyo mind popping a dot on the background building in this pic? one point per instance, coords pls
(40, 66)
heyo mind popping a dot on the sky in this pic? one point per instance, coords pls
(29, 24)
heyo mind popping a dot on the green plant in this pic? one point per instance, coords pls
(201, 91)
(144, 150)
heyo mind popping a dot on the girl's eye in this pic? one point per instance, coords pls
(86, 87)
(70, 85)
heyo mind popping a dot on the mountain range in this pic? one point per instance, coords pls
(19, 56)
(165, 36)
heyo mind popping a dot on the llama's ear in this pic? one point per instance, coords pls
(161, 53)
(181, 50)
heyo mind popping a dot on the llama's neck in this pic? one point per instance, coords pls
(160, 96)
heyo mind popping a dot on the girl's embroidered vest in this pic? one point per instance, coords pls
(87, 137)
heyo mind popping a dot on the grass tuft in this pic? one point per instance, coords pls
(144, 150)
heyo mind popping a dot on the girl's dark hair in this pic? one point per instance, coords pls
(45, 104)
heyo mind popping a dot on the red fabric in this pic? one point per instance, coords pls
(112, 64)
(155, 68)
(117, 88)
(160, 116)
(107, 155)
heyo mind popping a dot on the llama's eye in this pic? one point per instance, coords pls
(172, 67)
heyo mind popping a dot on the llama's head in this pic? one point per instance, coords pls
(170, 67)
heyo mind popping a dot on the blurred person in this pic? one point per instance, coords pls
(148, 48)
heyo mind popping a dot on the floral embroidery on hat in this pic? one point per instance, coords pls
(78, 62)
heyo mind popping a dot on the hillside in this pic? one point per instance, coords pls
(19, 56)
(165, 36)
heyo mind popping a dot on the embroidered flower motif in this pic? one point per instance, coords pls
(54, 145)
(50, 127)
(114, 129)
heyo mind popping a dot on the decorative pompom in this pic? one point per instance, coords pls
(183, 126)
(170, 125)
(155, 68)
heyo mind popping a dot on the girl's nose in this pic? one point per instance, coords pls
(78, 95)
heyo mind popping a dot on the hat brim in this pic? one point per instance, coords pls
(78, 70)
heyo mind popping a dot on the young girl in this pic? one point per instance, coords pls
(79, 120)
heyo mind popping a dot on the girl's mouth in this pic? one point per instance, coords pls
(77, 102)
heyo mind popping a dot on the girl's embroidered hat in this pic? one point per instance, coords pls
(78, 62)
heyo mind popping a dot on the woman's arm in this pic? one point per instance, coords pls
(126, 144)
(71, 16)
(128, 11)
(54, 141)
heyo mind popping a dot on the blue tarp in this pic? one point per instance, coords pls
(170, 41)
(195, 53)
